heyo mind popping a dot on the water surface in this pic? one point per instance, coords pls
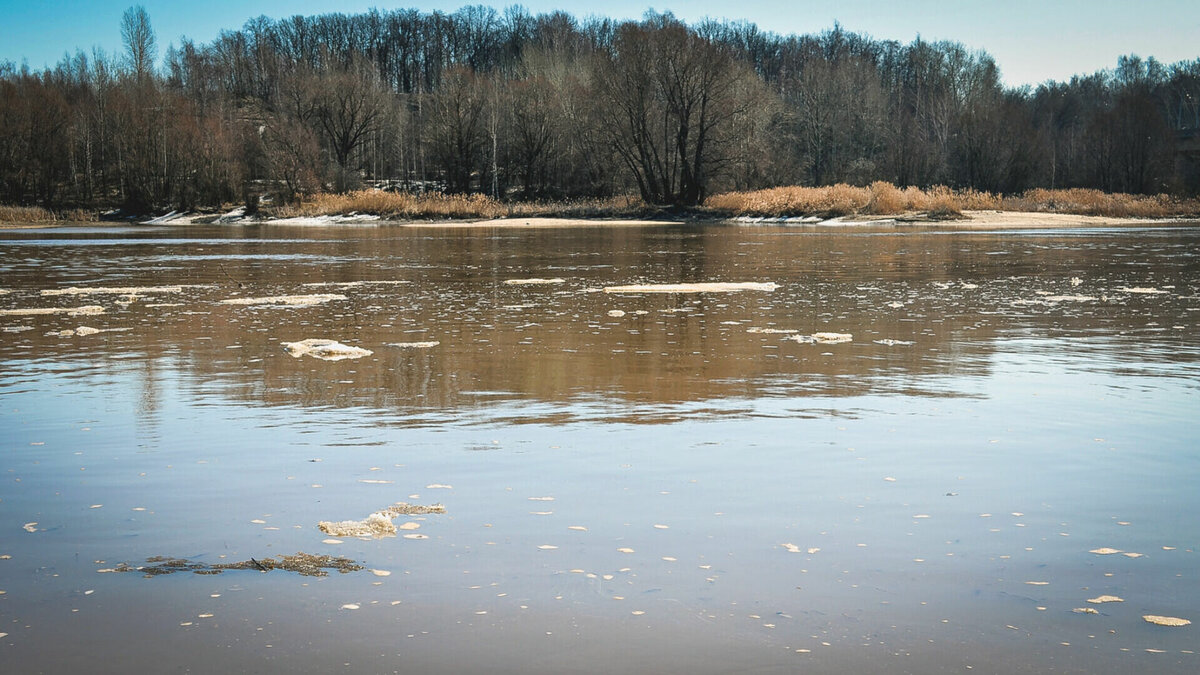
(632, 481)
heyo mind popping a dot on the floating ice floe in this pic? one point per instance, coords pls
(327, 350)
(704, 287)
(287, 300)
(772, 331)
(86, 310)
(378, 524)
(116, 290)
(533, 282)
(1165, 620)
(81, 331)
(822, 338)
(1068, 298)
(352, 284)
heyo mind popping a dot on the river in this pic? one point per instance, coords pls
(900, 449)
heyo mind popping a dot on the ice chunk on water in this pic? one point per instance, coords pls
(379, 523)
(704, 287)
(327, 350)
(822, 338)
(86, 310)
(288, 300)
(533, 282)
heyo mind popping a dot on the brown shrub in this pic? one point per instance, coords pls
(885, 199)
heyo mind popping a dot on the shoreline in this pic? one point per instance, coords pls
(971, 220)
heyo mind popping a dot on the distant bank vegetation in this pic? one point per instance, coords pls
(878, 199)
(479, 113)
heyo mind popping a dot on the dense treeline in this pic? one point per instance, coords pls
(516, 105)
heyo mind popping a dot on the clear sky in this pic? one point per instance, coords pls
(1031, 40)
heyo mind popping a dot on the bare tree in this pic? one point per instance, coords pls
(666, 94)
(140, 43)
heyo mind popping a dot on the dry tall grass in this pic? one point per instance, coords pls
(436, 206)
(1087, 202)
(37, 214)
(882, 198)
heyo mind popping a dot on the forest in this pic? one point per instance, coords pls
(528, 108)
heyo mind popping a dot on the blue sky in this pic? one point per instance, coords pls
(1031, 40)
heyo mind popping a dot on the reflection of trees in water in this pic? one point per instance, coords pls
(557, 344)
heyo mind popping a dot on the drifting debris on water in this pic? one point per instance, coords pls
(889, 342)
(822, 338)
(30, 527)
(706, 287)
(17, 329)
(86, 310)
(1165, 620)
(304, 564)
(1075, 281)
(1105, 551)
(895, 304)
(108, 290)
(1105, 598)
(415, 345)
(616, 313)
(533, 282)
(1085, 610)
(378, 524)
(1142, 290)
(287, 300)
(326, 350)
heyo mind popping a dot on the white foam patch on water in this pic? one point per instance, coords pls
(287, 300)
(534, 281)
(704, 287)
(889, 342)
(415, 345)
(86, 310)
(326, 350)
(1142, 290)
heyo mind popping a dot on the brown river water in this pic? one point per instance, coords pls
(1000, 430)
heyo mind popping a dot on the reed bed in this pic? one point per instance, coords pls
(37, 214)
(436, 206)
(882, 199)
